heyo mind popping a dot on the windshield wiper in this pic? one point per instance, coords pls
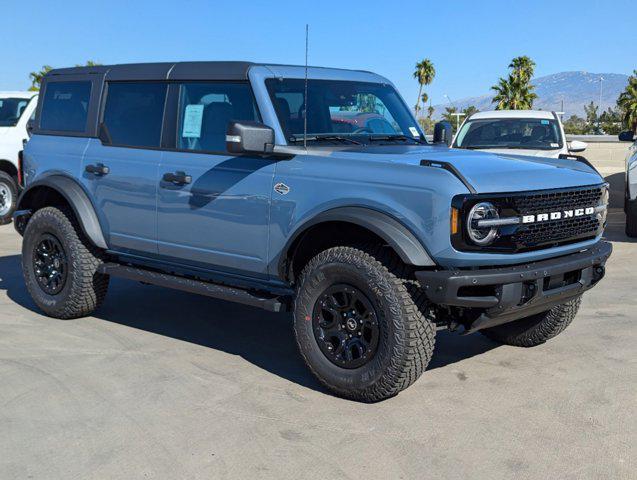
(328, 138)
(387, 138)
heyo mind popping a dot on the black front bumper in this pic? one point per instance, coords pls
(500, 295)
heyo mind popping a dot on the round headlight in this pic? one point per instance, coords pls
(482, 235)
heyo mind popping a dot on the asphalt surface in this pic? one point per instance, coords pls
(163, 384)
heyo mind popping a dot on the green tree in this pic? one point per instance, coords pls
(575, 125)
(627, 103)
(430, 111)
(611, 122)
(522, 68)
(592, 119)
(516, 92)
(36, 77)
(470, 110)
(424, 73)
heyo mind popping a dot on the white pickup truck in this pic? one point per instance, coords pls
(520, 132)
(16, 108)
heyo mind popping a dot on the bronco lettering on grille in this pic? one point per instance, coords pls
(543, 217)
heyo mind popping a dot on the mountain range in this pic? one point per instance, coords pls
(565, 91)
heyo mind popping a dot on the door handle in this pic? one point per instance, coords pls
(99, 169)
(177, 178)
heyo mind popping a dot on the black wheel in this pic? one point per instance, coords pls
(631, 218)
(536, 329)
(8, 197)
(361, 328)
(60, 266)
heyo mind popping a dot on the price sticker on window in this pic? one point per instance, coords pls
(193, 117)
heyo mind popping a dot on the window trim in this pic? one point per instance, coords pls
(91, 109)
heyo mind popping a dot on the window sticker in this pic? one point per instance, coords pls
(555, 145)
(193, 116)
(545, 122)
(414, 131)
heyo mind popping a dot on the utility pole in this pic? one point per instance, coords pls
(599, 116)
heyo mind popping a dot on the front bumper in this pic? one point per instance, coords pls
(500, 295)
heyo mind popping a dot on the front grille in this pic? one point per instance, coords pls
(556, 231)
(557, 200)
(539, 234)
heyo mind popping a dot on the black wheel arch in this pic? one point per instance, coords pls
(383, 226)
(60, 186)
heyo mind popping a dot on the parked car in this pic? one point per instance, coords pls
(203, 177)
(520, 132)
(630, 198)
(16, 108)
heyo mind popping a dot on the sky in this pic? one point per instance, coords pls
(470, 42)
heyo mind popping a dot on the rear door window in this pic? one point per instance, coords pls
(133, 114)
(65, 106)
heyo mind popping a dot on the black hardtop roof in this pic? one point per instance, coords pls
(217, 70)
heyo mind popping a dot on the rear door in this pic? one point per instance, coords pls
(213, 207)
(121, 169)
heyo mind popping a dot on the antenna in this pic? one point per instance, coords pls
(307, 30)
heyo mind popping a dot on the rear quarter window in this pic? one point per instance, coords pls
(65, 106)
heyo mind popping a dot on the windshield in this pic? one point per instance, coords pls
(11, 110)
(516, 133)
(343, 112)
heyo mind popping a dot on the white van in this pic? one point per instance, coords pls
(521, 132)
(16, 109)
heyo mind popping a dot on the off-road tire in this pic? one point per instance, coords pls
(407, 334)
(84, 289)
(536, 329)
(631, 218)
(8, 182)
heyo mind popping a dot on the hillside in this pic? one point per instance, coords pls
(576, 89)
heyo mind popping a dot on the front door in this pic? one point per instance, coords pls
(213, 207)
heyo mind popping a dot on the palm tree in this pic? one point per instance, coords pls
(627, 102)
(522, 67)
(516, 92)
(36, 77)
(424, 73)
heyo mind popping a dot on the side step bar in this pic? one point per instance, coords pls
(222, 292)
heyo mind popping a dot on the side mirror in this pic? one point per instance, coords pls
(626, 136)
(443, 133)
(576, 146)
(249, 137)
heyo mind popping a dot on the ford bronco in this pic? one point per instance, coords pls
(257, 184)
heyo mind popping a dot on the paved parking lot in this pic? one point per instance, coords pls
(163, 384)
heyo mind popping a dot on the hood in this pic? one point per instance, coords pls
(4, 130)
(488, 172)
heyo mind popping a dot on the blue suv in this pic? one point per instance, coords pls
(305, 190)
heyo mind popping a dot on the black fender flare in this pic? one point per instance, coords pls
(400, 238)
(76, 197)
